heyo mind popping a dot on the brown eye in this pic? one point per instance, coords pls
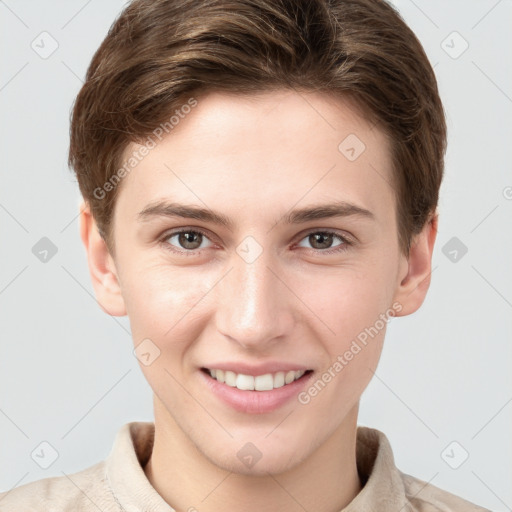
(322, 241)
(189, 239)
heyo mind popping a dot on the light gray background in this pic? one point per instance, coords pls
(67, 372)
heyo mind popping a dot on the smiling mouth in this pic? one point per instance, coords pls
(266, 382)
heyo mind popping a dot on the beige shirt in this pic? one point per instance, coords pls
(119, 483)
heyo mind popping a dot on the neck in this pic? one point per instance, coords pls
(326, 481)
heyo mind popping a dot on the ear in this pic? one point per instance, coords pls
(101, 265)
(417, 268)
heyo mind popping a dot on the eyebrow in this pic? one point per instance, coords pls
(298, 216)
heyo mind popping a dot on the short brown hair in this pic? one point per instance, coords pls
(157, 53)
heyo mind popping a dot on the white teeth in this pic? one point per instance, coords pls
(290, 376)
(265, 382)
(245, 382)
(279, 380)
(230, 378)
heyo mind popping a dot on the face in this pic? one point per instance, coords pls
(290, 261)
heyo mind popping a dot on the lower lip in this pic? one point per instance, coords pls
(255, 402)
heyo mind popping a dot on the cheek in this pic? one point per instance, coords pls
(348, 300)
(167, 315)
(165, 305)
(355, 305)
(338, 387)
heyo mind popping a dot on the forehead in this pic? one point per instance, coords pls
(246, 153)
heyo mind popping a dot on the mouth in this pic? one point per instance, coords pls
(265, 382)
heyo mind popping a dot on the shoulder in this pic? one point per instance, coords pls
(78, 492)
(425, 497)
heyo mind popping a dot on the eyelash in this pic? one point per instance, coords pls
(193, 252)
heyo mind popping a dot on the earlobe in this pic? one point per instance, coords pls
(101, 265)
(413, 287)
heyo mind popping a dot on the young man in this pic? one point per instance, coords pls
(260, 183)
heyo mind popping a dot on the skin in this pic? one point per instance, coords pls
(254, 159)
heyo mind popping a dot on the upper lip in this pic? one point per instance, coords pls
(255, 370)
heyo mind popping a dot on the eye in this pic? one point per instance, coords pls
(322, 241)
(185, 240)
(190, 242)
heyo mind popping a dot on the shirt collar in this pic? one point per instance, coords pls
(383, 484)
(124, 469)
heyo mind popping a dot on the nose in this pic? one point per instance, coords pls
(254, 306)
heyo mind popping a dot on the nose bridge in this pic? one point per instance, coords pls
(252, 307)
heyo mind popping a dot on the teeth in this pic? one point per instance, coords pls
(290, 377)
(230, 378)
(259, 383)
(245, 382)
(264, 382)
(279, 380)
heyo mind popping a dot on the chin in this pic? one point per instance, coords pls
(266, 459)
